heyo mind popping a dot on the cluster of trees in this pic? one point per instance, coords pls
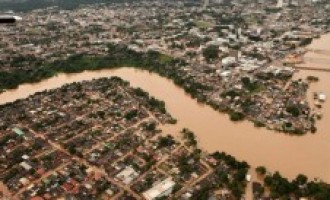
(261, 170)
(282, 188)
(131, 114)
(11, 136)
(152, 102)
(252, 86)
(238, 170)
(19, 61)
(231, 161)
(158, 104)
(165, 141)
(211, 53)
(236, 116)
(11, 80)
(185, 166)
(150, 126)
(189, 137)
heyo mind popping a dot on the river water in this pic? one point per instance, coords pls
(290, 155)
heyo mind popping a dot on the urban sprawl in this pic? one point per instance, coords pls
(103, 139)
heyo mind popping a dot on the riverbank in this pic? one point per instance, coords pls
(240, 95)
(214, 130)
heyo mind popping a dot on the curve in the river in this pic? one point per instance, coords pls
(290, 155)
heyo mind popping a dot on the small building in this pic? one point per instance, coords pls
(228, 62)
(225, 74)
(161, 189)
(25, 165)
(127, 175)
(322, 97)
(187, 195)
(24, 181)
(248, 177)
(18, 131)
(109, 192)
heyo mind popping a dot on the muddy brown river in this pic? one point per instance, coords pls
(290, 155)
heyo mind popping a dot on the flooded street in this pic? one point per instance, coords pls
(288, 154)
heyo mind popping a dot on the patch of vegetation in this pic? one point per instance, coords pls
(211, 53)
(259, 124)
(189, 136)
(236, 116)
(203, 24)
(166, 141)
(251, 86)
(282, 188)
(293, 110)
(261, 170)
(312, 78)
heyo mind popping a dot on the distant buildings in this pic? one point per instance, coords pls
(279, 3)
(206, 3)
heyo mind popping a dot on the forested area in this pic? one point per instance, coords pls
(118, 56)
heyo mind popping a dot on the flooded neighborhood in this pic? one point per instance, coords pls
(164, 99)
(214, 130)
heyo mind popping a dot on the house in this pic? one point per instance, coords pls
(228, 62)
(225, 74)
(127, 175)
(18, 131)
(322, 97)
(25, 165)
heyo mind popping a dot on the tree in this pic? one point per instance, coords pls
(236, 116)
(131, 114)
(165, 141)
(261, 170)
(211, 52)
(293, 110)
(300, 179)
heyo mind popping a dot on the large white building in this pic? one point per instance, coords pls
(161, 189)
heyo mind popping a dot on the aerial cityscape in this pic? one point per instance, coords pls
(164, 99)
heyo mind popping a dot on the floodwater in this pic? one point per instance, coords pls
(290, 155)
(320, 54)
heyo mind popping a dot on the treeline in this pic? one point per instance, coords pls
(28, 5)
(118, 56)
(11, 80)
(282, 188)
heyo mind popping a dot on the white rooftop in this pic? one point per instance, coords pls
(163, 188)
(127, 175)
